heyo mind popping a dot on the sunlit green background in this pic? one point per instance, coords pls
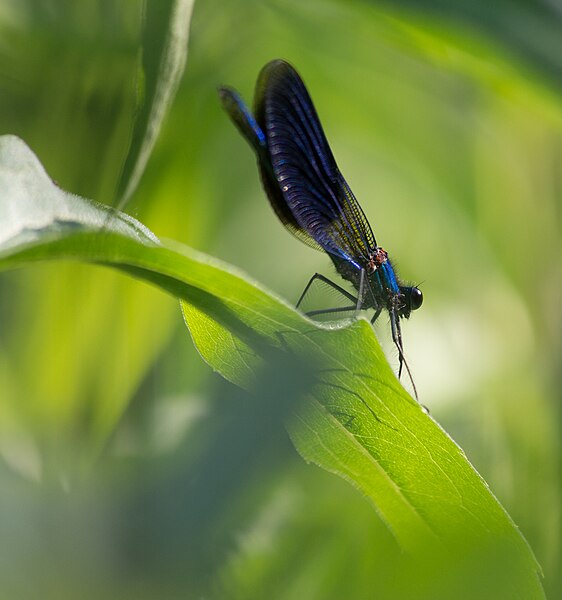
(127, 468)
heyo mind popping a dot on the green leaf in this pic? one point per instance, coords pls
(350, 414)
(165, 44)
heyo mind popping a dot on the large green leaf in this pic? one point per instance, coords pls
(352, 416)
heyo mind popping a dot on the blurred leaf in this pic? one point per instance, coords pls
(529, 30)
(68, 77)
(165, 41)
(354, 419)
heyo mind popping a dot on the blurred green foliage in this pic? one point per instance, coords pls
(446, 121)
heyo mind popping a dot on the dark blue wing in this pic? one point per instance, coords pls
(249, 128)
(311, 185)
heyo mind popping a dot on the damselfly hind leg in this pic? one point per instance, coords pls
(335, 286)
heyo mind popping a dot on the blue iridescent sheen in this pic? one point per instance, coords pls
(311, 197)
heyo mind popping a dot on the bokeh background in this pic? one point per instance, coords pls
(129, 469)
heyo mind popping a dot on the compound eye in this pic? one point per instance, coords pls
(416, 298)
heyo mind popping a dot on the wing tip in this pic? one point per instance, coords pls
(240, 115)
(276, 68)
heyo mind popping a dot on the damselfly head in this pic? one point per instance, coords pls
(412, 300)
